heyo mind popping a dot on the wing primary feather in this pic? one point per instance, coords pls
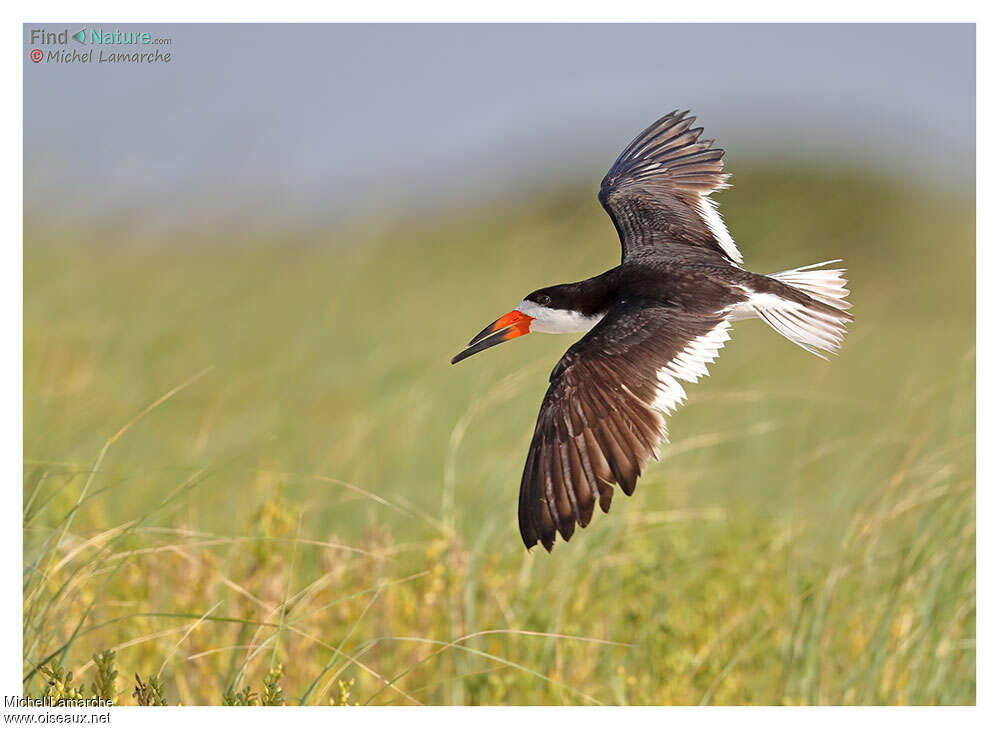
(563, 498)
(677, 161)
(601, 468)
(526, 509)
(678, 127)
(584, 496)
(547, 515)
(551, 497)
(682, 141)
(589, 474)
(613, 452)
(566, 448)
(627, 461)
(692, 169)
(650, 130)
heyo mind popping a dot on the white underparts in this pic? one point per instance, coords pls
(557, 321)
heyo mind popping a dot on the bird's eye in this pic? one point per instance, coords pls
(545, 300)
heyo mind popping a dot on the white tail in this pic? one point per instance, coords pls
(811, 326)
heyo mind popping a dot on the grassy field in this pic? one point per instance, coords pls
(244, 454)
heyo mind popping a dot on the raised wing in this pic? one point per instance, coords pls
(593, 429)
(657, 192)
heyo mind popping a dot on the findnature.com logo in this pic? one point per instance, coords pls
(102, 41)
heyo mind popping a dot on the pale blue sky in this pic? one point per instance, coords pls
(275, 122)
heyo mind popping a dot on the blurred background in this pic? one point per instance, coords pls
(245, 271)
(267, 124)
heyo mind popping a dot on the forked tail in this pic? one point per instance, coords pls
(808, 306)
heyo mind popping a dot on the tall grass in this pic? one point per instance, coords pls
(250, 471)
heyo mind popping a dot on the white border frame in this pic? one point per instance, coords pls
(517, 11)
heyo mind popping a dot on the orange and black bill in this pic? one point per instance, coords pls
(507, 327)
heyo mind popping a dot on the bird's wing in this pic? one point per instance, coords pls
(603, 416)
(658, 191)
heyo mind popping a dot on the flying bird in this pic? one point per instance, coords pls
(654, 321)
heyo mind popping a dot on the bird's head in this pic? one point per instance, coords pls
(552, 310)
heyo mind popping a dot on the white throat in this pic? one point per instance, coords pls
(557, 321)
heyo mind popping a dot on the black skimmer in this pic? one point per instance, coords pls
(658, 318)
